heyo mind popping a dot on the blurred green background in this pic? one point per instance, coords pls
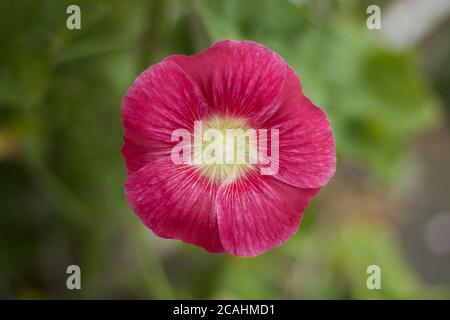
(61, 172)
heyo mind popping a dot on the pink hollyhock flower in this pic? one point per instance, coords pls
(238, 83)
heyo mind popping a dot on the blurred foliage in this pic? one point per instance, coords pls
(375, 98)
(61, 188)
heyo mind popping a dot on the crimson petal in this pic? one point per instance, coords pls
(307, 151)
(161, 99)
(237, 78)
(257, 213)
(176, 201)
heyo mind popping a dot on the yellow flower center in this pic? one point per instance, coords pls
(224, 148)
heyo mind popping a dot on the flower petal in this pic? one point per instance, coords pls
(258, 213)
(307, 151)
(160, 100)
(237, 78)
(176, 201)
(136, 156)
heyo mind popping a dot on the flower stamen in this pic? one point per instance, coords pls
(225, 148)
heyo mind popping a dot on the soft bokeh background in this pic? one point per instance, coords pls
(61, 172)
